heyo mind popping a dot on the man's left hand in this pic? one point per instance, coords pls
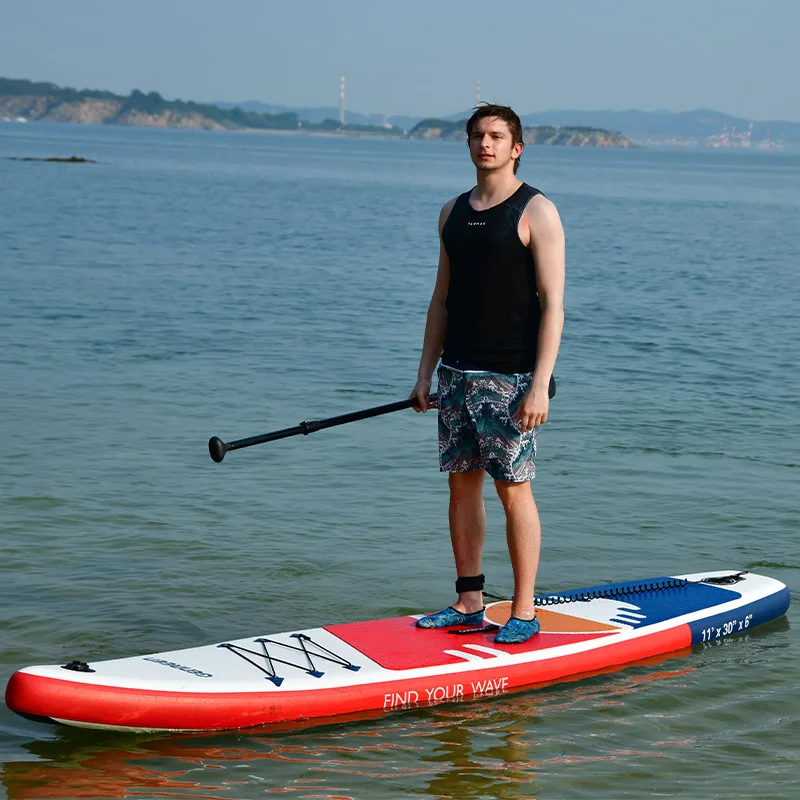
(532, 410)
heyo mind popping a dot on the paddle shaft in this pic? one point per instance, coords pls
(217, 448)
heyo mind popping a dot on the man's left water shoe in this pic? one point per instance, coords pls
(517, 631)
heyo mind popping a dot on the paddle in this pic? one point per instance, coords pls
(217, 448)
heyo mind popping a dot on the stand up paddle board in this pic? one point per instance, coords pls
(388, 664)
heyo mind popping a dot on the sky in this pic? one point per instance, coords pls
(420, 57)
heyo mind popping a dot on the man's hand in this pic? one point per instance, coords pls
(532, 410)
(421, 392)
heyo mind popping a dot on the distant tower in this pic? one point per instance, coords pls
(477, 92)
(341, 99)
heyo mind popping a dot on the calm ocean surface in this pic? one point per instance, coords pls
(192, 284)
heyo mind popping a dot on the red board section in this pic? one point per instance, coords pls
(151, 710)
(397, 643)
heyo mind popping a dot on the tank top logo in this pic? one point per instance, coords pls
(471, 224)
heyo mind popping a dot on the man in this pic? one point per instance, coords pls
(495, 320)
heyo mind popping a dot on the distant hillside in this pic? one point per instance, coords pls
(26, 100)
(320, 113)
(49, 102)
(698, 128)
(569, 136)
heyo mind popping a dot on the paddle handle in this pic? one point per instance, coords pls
(217, 448)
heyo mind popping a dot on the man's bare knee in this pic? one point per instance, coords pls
(465, 484)
(511, 494)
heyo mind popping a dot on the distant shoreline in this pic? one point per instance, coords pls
(665, 147)
(23, 101)
(26, 101)
(530, 133)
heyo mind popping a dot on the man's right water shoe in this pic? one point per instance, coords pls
(450, 616)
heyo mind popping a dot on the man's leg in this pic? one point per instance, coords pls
(467, 532)
(523, 533)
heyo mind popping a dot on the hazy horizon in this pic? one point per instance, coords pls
(421, 59)
(367, 112)
(521, 111)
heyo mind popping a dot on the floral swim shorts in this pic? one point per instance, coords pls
(477, 429)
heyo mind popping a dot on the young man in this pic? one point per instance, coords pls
(495, 319)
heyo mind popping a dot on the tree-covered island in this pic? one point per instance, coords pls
(48, 102)
(536, 134)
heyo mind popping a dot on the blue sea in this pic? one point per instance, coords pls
(192, 284)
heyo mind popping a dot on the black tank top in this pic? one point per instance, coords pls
(492, 305)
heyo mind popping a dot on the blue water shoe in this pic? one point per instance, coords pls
(517, 631)
(450, 616)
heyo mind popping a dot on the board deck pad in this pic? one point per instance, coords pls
(373, 665)
(398, 644)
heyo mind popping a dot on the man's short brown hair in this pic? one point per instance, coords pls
(505, 113)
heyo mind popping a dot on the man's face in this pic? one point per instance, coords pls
(491, 145)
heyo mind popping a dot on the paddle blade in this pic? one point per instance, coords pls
(217, 448)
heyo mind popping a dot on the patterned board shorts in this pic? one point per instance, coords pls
(476, 425)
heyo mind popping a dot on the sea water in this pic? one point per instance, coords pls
(192, 284)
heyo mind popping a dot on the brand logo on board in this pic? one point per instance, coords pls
(198, 672)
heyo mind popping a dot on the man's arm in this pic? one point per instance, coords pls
(548, 249)
(436, 323)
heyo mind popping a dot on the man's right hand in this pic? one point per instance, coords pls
(421, 392)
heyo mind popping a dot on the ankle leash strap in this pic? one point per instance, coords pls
(471, 584)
